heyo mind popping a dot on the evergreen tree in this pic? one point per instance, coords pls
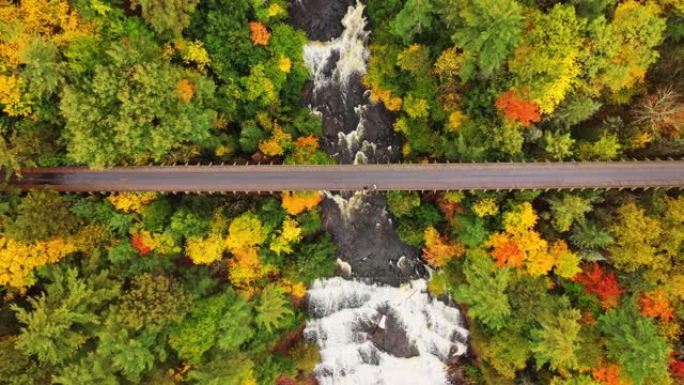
(61, 320)
(485, 290)
(633, 341)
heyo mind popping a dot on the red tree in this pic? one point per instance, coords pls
(285, 380)
(138, 242)
(604, 285)
(517, 109)
(677, 370)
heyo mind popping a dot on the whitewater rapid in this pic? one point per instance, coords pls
(368, 332)
(372, 334)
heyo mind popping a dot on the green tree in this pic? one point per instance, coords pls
(237, 326)
(558, 145)
(233, 369)
(636, 236)
(127, 353)
(557, 342)
(152, 302)
(592, 9)
(487, 31)
(507, 350)
(607, 147)
(568, 209)
(19, 369)
(590, 236)
(135, 107)
(155, 215)
(416, 16)
(42, 214)
(485, 290)
(633, 341)
(223, 27)
(62, 318)
(273, 308)
(402, 203)
(166, 16)
(575, 109)
(91, 370)
(313, 260)
(197, 333)
(250, 136)
(225, 321)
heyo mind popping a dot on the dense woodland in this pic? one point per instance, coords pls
(559, 288)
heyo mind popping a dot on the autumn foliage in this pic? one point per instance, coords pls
(608, 374)
(296, 202)
(245, 236)
(131, 202)
(655, 304)
(517, 109)
(138, 242)
(505, 251)
(259, 33)
(677, 369)
(602, 284)
(185, 90)
(19, 259)
(438, 250)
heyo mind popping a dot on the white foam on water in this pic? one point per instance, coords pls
(349, 205)
(343, 311)
(351, 46)
(353, 58)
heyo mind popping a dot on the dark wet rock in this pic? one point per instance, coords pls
(370, 357)
(392, 339)
(455, 371)
(320, 19)
(368, 241)
(342, 109)
(354, 130)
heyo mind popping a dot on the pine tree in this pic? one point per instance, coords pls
(166, 16)
(58, 324)
(634, 343)
(589, 235)
(485, 290)
(568, 209)
(557, 342)
(273, 309)
(488, 31)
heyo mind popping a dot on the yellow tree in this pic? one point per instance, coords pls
(545, 63)
(622, 50)
(438, 251)
(245, 235)
(519, 245)
(25, 23)
(297, 202)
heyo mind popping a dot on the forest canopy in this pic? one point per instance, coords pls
(557, 287)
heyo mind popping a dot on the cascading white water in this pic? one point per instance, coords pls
(351, 46)
(353, 56)
(347, 206)
(371, 334)
(349, 315)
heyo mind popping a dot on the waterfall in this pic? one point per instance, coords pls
(350, 46)
(337, 63)
(347, 206)
(370, 334)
